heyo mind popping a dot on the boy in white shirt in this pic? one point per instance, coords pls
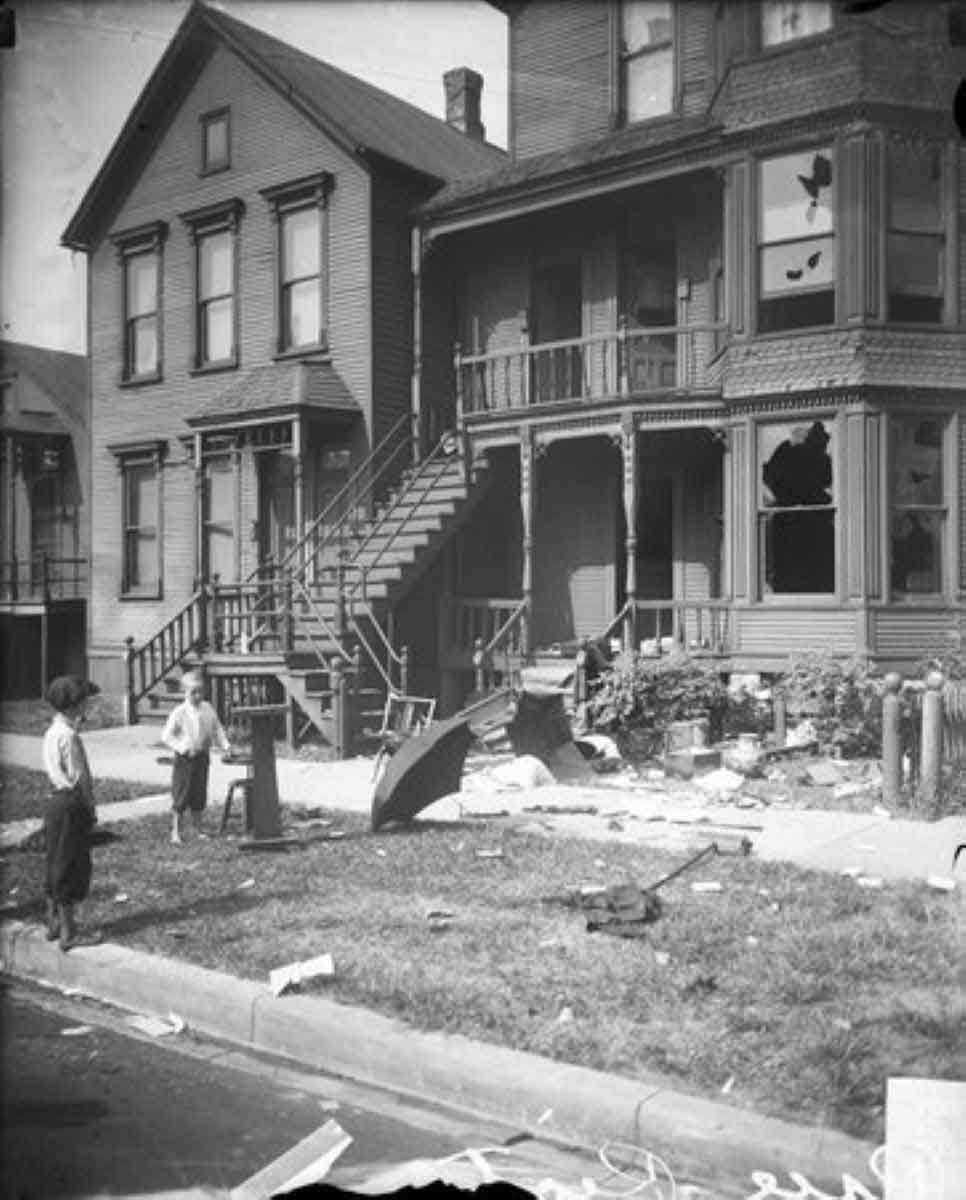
(191, 730)
(69, 815)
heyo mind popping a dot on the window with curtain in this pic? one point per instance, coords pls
(301, 278)
(787, 20)
(218, 518)
(796, 509)
(141, 562)
(216, 298)
(915, 236)
(647, 59)
(918, 519)
(142, 355)
(796, 241)
(215, 142)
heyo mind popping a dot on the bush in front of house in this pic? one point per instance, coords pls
(639, 697)
(842, 698)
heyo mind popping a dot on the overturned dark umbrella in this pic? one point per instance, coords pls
(426, 767)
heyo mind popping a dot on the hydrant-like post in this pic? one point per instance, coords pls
(930, 766)
(780, 714)
(891, 753)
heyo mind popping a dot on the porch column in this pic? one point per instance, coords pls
(527, 505)
(298, 455)
(9, 500)
(416, 397)
(199, 511)
(631, 498)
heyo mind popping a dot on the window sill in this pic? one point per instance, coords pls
(800, 600)
(215, 368)
(136, 381)
(217, 170)
(125, 597)
(798, 331)
(655, 122)
(303, 352)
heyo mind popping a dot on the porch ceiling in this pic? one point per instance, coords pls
(277, 390)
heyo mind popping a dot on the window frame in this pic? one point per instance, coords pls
(149, 454)
(624, 56)
(945, 510)
(213, 219)
(830, 419)
(311, 192)
(940, 234)
(225, 459)
(206, 120)
(130, 244)
(758, 244)
(767, 47)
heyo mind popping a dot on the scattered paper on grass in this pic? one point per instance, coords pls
(728, 1084)
(869, 881)
(439, 914)
(76, 1031)
(177, 1024)
(852, 872)
(941, 883)
(249, 883)
(549, 943)
(545, 1116)
(121, 898)
(880, 811)
(662, 958)
(334, 835)
(458, 847)
(489, 854)
(381, 853)
(295, 974)
(706, 885)
(154, 1026)
(751, 940)
(565, 1016)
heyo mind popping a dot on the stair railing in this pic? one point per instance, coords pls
(420, 484)
(395, 674)
(506, 638)
(334, 647)
(147, 665)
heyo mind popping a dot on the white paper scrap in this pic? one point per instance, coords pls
(249, 883)
(706, 885)
(941, 883)
(869, 881)
(152, 1026)
(294, 974)
(76, 1031)
(121, 898)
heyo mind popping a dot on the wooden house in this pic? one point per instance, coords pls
(44, 533)
(707, 327)
(249, 330)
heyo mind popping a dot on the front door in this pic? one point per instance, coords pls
(276, 505)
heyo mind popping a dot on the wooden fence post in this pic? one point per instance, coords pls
(130, 706)
(931, 742)
(891, 751)
(340, 706)
(780, 714)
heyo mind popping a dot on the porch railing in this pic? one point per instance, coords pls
(699, 627)
(624, 363)
(42, 578)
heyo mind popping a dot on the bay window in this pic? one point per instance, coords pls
(647, 58)
(918, 509)
(796, 509)
(914, 237)
(796, 241)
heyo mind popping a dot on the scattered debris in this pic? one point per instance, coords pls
(380, 853)
(727, 1086)
(844, 791)
(801, 735)
(155, 1026)
(881, 812)
(941, 883)
(615, 826)
(282, 979)
(545, 1116)
(823, 774)
(662, 958)
(121, 898)
(720, 780)
(549, 943)
(490, 854)
(852, 872)
(77, 1031)
(706, 885)
(439, 914)
(589, 810)
(869, 881)
(701, 985)
(248, 883)
(751, 940)
(566, 1015)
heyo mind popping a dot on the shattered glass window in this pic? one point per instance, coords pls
(787, 20)
(796, 509)
(915, 242)
(796, 241)
(918, 518)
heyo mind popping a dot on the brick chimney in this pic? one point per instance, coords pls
(464, 89)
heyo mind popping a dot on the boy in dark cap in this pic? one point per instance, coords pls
(70, 815)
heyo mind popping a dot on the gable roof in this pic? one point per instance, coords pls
(363, 119)
(61, 376)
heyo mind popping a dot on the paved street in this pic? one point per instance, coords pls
(106, 1110)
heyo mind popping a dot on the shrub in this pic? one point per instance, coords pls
(639, 697)
(842, 698)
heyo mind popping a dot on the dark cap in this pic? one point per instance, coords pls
(67, 691)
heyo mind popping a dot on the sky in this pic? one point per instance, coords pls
(78, 66)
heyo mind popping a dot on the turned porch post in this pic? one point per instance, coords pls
(631, 498)
(416, 262)
(527, 504)
(298, 455)
(200, 572)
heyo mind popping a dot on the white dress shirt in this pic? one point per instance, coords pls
(193, 728)
(65, 759)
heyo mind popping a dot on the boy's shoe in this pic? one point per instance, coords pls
(52, 932)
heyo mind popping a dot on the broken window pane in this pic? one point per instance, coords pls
(786, 20)
(796, 520)
(915, 261)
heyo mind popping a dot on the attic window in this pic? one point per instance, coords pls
(215, 142)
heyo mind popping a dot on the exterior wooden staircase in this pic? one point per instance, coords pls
(312, 629)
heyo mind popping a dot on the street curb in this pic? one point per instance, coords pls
(695, 1136)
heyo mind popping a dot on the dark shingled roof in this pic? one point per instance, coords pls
(363, 119)
(279, 387)
(60, 375)
(637, 143)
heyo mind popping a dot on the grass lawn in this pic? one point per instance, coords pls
(802, 988)
(24, 792)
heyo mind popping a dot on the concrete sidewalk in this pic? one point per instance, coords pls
(875, 845)
(713, 1144)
